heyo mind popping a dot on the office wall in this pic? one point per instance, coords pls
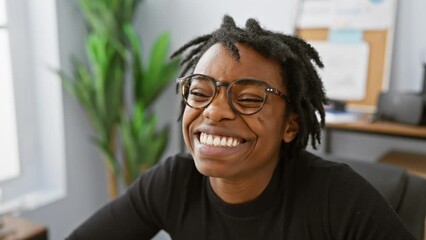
(410, 46)
(406, 75)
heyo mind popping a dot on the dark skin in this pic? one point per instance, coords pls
(240, 173)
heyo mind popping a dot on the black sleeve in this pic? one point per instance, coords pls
(134, 215)
(357, 211)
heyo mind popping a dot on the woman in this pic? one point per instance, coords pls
(250, 104)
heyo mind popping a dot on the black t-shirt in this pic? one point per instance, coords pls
(307, 198)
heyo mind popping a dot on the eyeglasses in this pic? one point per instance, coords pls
(245, 96)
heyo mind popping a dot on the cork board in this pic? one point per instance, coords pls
(378, 41)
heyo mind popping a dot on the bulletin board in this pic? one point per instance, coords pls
(379, 39)
(377, 81)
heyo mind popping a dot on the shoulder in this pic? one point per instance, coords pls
(169, 173)
(161, 188)
(344, 200)
(311, 177)
(310, 160)
(159, 181)
(328, 174)
(349, 202)
(174, 164)
(308, 165)
(340, 175)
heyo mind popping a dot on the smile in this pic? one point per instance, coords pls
(218, 141)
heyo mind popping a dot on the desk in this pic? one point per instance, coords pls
(388, 128)
(21, 229)
(383, 128)
(412, 160)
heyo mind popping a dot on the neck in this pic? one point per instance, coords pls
(235, 191)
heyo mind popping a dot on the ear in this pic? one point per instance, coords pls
(291, 128)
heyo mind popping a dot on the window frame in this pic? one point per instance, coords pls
(8, 142)
(39, 107)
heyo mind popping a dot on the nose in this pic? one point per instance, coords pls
(219, 109)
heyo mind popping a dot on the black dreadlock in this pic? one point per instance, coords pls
(296, 57)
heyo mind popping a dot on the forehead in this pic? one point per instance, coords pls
(219, 63)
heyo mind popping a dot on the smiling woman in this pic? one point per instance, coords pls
(247, 174)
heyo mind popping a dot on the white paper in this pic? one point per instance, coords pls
(365, 14)
(315, 14)
(354, 14)
(341, 117)
(345, 72)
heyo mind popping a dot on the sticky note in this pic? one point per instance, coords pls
(347, 36)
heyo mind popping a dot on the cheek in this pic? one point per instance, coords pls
(189, 116)
(186, 119)
(260, 120)
(269, 125)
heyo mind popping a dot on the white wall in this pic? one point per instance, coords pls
(185, 19)
(409, 46)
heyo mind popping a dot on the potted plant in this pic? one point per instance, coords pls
(126, 132)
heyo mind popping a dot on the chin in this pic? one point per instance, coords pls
(211, 169)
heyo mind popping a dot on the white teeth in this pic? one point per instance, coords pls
(218, 141)
(223, 141)
(209, 140)
(229, 142)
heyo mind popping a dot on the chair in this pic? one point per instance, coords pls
(404, 191)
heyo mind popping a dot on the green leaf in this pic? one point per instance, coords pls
(114, 101)
(138, 117)
(168, 72)
(156, 63)
(162, 140)
(137, 67)
(130, 148)
(108, 154)
(152, 143)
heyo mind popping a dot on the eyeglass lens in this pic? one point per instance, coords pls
(246, 96)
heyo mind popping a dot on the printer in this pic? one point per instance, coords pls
(407, 108)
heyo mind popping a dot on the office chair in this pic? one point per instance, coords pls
(404, 191)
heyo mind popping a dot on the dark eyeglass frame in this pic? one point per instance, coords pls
(268, 89)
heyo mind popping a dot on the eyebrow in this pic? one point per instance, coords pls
(235, 79)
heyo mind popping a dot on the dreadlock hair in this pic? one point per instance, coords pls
(296, 58)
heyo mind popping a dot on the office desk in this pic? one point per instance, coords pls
(388, 128)
(412, 161)
(22, 229)
(382, 128)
